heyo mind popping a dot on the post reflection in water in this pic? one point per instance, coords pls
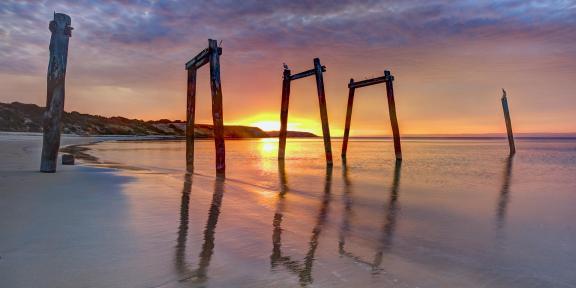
(504, 197)
(388, 229)
(200, 273)
(302, 269)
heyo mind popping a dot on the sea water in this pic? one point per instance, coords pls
(453, 213)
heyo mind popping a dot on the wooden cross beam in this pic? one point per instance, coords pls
(201, 59)
(209, 55)
(388, 79)
(287, 78)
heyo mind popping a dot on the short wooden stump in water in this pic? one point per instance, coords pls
(67, 159)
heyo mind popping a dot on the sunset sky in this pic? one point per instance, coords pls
(450, 60)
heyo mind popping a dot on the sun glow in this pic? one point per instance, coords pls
(271, 122)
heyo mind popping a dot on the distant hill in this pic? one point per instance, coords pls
(19, 117)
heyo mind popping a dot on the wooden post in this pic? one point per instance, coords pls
(61, 33)
(190, 115)
(323, 110)
(284, 114)
(348, 118)
(217, 116)
(508, 123)
(392, 113)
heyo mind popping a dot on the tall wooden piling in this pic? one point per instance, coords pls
(190, 115)
(284, 114)
(323, 110)
(388, 79)
(61, 33)
(287, 80)
(508, 123)
(211, 56)
(392, 113)
(348, 118)
(217, 106)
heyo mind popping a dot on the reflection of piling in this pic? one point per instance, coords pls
(504, 193)
(508, 122)
(303, 270)
(388, 228)
(391, 216)
(61, 33)
(183, 228)
(199, 274)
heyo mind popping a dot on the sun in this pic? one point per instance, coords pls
(267, 125)
(271, 122)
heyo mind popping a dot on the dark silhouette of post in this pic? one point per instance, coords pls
(388, 79)
(190, 117)
(348, 118)
(284, 113)
(209, 55)
(392, 113)
(323, 110)
(317, 71)
(508, 123)
(61, 33)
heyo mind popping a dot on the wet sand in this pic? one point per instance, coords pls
(453, 214)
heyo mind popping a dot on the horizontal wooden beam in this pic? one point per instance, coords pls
(200, 59)
(306, 73)
(369, 82)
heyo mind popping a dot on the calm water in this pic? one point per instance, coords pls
(454, 213)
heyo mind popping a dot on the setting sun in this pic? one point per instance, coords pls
(271, 122)
(267, 125)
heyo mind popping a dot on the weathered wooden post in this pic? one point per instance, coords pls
(323, 110)
(284, 113)
(209, 55)
(392, 113)
(508, 122)
(217, 112)
(61, 33)
(348, 118)
(317, 71)
(190, 115)
(387, 78)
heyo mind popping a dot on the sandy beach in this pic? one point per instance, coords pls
(446, 217)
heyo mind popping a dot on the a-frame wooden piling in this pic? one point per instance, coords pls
(61, 33)
(508, 123)
(209, 55)
(288, 77)
(352, 85)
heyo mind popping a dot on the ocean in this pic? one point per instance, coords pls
(453, 213)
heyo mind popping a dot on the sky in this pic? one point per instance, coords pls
(450, 60)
